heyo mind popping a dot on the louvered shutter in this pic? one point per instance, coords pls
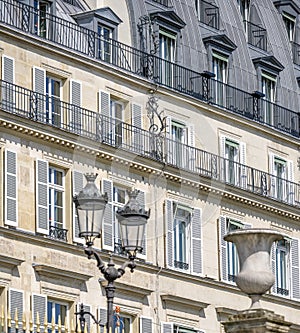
(39, 86)
(16, 302)
(295, 281)
(223, 249)
(273, 264)
(141, 201)
(222, 140)
(102, 319)
(196, 242)
(78, 184)
(11, 188)
(39, 308)
(169, 149)
(42, 200)
(75, 111)
(243, 171)
(8, 76)
(137, 138)
(191, 150)
(145, 325)
(291, 185)
(107, 231)
(272, 178)
(167, 327)
(169, 233)
(105, 125)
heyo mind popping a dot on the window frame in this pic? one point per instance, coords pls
(56, 323)
(53, 101)
(282, 273)
(290, 24)
(119, 329)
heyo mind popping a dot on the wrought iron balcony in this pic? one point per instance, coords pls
(257, 36)
(181, 265)
(165, 3)
(181, 79)
(58, 233)
(208, 14)
(108, 131)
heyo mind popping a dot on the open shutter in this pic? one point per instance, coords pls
(8, 76)
(141, 201)
(39, 308)
(42, 200)
(223, 249)
(75, 100)
(243, 170)
(105, 125)
(39, 86)
(222, 140)
(78, 184)
(196, 242)
(295, 283)
(107, 232)
(273, 264)
(11, 188)
(145, 325)
(169, 233)
(102, 319)
(136, 114)
(272, 178)
(16, 303)
(167, 327)
(291, 185)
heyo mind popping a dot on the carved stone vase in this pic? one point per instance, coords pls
(253, 246)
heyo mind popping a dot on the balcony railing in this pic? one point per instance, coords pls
(208, 14)
(296, 53)
(165, 3)
(257, 36)
(58, 233)
(162, 72)
(86, 123)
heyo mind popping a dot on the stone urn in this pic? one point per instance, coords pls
(253, 246)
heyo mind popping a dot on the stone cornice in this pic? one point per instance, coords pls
(9, 262)
(183, 302)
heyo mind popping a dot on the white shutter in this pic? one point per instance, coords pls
(196, 242)
(191, 149)
(167, 327)
(295, 281)
(169, 233)
(273, 264)
(39, 86)
(291, 185)
(75, 111)
(272, 177)
(141, 201)
(42, 200)
(16, 302)
(105, 125)
(108, 231)
(223, 249)
(8, 69)
(11, 188)
(102, 319)
(169, 143)
(243, 181)
(8, 76)
(39, 306)
(145, 325)
(78, 184)
(137, 138)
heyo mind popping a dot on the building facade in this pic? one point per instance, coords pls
(193, 102)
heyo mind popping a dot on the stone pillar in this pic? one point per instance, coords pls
(256, 321)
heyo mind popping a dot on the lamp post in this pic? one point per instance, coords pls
(90, 206)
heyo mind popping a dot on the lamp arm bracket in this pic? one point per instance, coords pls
(100, 264)
(130, 264)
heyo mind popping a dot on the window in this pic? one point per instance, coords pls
(180, 329)
(233, 259)
(167, 43)
(280, 173)
(57, 313)
(121, 324)
(53, 104)
(183, 242)
(207, 13)
(219, 68)
(232, 158)
(290, 23)
(268, 88)
(41, 9)
(244, 6)
(282, 263)
(104, 43)
(177, 149)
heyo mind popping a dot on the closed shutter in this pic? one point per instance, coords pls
(78, 184)
(291, 185)
(107, 231)
(145, 325)
(16, 303)
(197, 242)
(169, 233)
(102, 319)
(295, 285)
(223, 249)
(136, 114)
(11, 188)
(273, 264)
(105, 125)
(8, 77)
(167, 327)
(141, 201)
(39, 310)
(272, 177)
(42, 200)
(39, 86)
(75, 100)
(243, 181)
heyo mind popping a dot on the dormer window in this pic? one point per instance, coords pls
(40, 19)
(104, 45)
(244, 6)
(167, 43)
(290, 23)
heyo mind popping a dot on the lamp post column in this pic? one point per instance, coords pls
(110, 294)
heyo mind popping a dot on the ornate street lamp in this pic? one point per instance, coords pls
(90, 206)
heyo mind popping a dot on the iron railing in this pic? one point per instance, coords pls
(86, 123)
(162, 72)
(58, 233)
(296, 53)
(165, 3)
(181, 265)
(208, 13)
(257, 36)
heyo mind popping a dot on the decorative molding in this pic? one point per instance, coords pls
(184, 302)
(9, 262)
(131, 290)
(66, 295)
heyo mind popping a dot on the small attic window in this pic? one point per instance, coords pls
(290, 23)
